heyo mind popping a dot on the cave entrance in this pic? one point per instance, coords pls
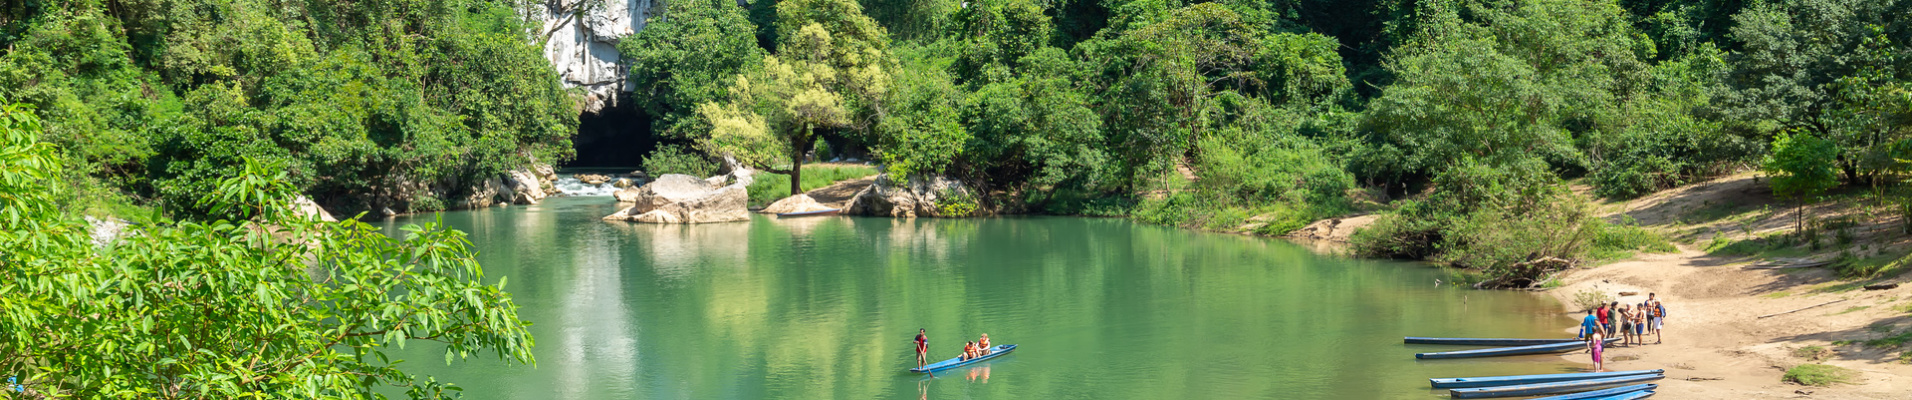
(614, 137)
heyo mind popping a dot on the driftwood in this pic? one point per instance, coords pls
(1629, 293)
(1803, 309)
(1814, 264)
(1527, 274)
(1882, 286)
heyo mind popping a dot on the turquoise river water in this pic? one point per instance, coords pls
(824, 308)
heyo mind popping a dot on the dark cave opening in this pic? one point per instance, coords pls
(616, 136)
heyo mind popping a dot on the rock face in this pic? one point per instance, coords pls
(793, 204)
(917, 198)
(581, 44)
(684, 199)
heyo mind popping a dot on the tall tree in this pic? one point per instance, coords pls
(828, 78)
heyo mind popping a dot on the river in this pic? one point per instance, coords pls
(822, 308)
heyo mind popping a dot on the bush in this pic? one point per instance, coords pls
(1819, 375)
(1617, 241)
(956, 205)
(1590, 299)
(675, 159)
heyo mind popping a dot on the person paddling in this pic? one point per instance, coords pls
(922, 347)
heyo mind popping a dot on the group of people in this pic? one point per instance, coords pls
(1633, 321)
(971, 349)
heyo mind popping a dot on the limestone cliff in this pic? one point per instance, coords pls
(581, 42)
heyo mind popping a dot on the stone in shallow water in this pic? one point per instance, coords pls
(675, 199)
(795, 204)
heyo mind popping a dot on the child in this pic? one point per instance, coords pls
(1596, 343)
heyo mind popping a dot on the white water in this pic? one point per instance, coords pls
(571, 186)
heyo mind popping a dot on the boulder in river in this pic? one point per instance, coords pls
(919, 197)
(684, 199)
(795, 204)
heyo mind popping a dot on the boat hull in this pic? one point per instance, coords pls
(1628, 396)
(1549, 387)
(1507, 351)
(1487, 381)
(1483, 342)
(958, 362)
(1604, 393)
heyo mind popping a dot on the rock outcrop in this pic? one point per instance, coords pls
(795, 204)
(684, 199)
(919, 197)
(581, 42)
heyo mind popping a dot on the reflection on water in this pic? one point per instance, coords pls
(825, 307)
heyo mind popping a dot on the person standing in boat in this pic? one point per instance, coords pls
(922, 347)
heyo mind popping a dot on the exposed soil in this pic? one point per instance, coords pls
(1716, 345)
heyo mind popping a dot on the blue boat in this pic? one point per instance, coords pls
(1485, 381)
(1509, 351)
(957, 362)
(1482, 342)
(1603, 393)
(1628, 396)
(1549, 387)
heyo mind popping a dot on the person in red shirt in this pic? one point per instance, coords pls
(1605, 315)
(922, 347)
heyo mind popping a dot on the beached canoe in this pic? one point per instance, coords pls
(1483, 342)
(818, 213)
(1550, 387)
(1509, 351)
(1485, 381)
(958, 362)
(1627, 396)
(1603, 393)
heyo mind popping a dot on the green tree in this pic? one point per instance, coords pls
(686, 56)
(277, 305)
(1802, 167)
(828, 77)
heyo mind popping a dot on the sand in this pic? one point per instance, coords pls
(1715, 345)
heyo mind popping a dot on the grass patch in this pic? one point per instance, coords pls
(1905, 357)
(1819, 375)
(769, 187)
(1813, 353)
(1619, 241)
(1777, 295)
(1878, 266)
(1850, 310)
(1891, 342)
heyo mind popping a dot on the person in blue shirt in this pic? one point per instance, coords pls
(1589, 324)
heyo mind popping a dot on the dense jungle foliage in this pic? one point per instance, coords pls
(154, 101)
(1271, 114)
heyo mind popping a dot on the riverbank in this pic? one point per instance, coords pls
(1719, 341)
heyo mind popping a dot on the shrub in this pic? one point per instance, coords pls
(1813, 353)
(956, 204)
(675, 159)
(1818, 375)
(1590, 299)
